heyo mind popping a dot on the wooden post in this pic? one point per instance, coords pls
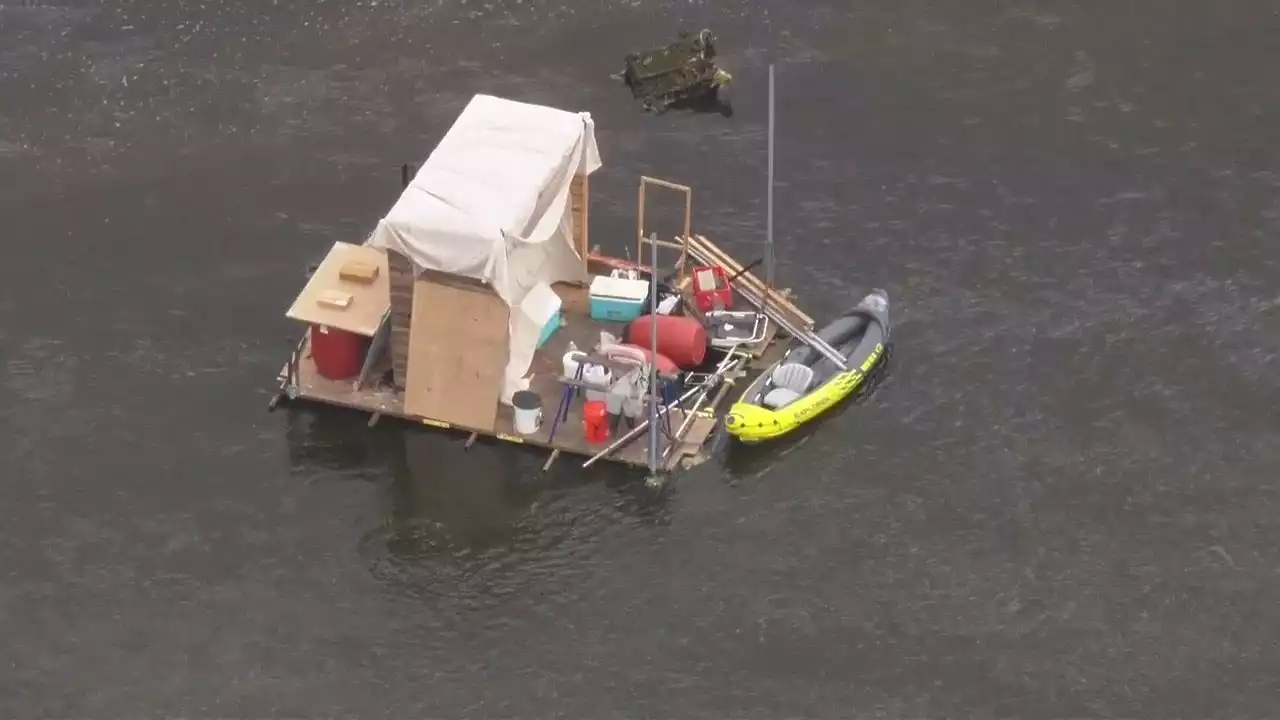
(401, 276)
(580, 204)
(640, 223)
(547, 465)
(688, 229)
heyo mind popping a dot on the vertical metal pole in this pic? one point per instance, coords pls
(653, 356)
(768, 266)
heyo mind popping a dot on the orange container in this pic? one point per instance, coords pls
(595, 421)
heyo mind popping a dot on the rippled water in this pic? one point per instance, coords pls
(1060, 504)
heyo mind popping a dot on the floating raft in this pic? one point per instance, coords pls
(374, 394)
(438, 313)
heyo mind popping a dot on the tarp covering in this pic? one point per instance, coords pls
(492, 203)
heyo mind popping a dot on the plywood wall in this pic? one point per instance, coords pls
(580, 209)
(401, 275)
(458, 352)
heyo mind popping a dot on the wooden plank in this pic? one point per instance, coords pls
(368, 301)
(749, 279)
(662, 243)
(457, 352)
(744, 282)
(644, 179)
(359, 272)
(712, 252)
(727, 261)
(580, 211)
(390, 402)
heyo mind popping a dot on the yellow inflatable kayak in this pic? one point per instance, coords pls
(804, 384)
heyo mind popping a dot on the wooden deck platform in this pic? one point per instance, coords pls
(439, 343)
(384, 399)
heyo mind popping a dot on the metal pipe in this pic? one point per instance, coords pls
(805, 336)
(684, 426)
(635, 432)
(769, 259)
(693, 412)
(653, 354)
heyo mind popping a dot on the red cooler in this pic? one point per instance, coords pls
(338, 354)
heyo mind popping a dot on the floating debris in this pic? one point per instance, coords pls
(681, 73)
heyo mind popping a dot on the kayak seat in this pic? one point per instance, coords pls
(778, 398)
(790, 382)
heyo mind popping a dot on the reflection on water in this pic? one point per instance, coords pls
(473, 526)
(472, 511)
(331, 440)
(480, 526)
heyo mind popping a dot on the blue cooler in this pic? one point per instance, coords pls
(550, 328)
(540, 308)
(617, 299)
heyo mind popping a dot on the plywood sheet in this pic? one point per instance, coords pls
(457, 353)
(369, 301)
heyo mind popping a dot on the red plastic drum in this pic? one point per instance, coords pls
(681, 338)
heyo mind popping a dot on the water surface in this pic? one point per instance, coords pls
(1061, 504)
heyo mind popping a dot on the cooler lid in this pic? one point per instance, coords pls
(620, 288)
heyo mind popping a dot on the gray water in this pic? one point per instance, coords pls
(1062, 502)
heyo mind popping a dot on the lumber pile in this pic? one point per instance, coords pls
(705, 251)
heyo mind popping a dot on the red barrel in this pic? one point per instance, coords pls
(338, 354)
(681, 338)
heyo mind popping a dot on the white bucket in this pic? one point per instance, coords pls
(527, 407)
(572, 360)
(596, 376)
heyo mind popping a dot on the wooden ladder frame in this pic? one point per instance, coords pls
(683, 245)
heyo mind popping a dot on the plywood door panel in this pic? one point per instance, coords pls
(457, 353)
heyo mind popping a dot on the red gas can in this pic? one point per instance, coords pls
(711, 289)
(595, 421)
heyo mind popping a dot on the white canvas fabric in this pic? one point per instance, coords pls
(492, 203)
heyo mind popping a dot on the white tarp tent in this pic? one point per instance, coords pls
(492, 203)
